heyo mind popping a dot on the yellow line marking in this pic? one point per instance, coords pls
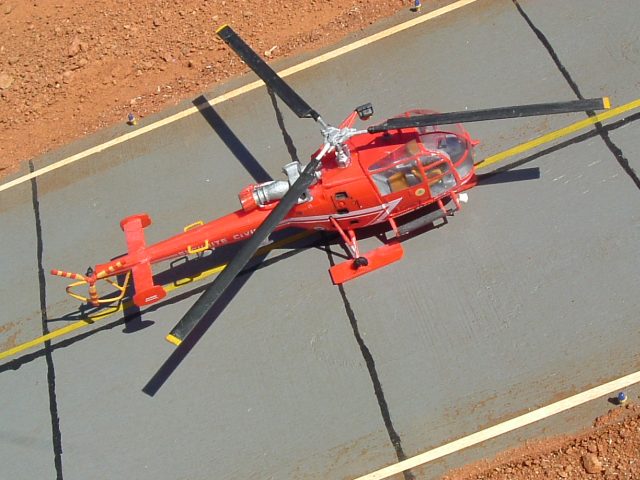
(505, 427)
(127, 304)
(239, 91)
(563, 132)
(44, 338)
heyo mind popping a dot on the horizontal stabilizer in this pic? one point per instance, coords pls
(146, 291)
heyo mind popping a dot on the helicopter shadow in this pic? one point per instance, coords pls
(184, 270)
(508, 176)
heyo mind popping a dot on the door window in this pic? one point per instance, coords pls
(399, 177)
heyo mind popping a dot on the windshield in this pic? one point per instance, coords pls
(438, 157)
(400, 154)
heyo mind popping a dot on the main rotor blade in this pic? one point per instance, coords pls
(266, 73)
(492, 114)
(211, 295)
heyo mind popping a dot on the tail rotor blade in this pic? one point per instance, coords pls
(266, 73)
(492, 114)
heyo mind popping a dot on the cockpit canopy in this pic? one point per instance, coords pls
(440, 158)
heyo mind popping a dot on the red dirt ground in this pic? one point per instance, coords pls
(608, 450)
(68, 68)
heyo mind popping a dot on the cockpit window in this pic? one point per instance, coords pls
(404, 152)
(450, 143)
(439, 178)
(399, 177)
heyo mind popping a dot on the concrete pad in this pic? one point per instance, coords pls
(626, 139)
(598, 44)
(20, 317)
(26, 449)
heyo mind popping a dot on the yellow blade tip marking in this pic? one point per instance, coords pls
(173, 339)
(606, 102)
(221, 27)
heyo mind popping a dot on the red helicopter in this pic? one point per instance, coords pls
(358, 178)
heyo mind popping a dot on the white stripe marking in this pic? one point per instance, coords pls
(505, 427)
(239, 91)
(384, 210)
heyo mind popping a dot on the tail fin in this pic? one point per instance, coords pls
(146, 291)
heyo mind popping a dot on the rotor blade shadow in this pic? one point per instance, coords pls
(232, 142)
(507, 176)
(288, 141)
(182, 350)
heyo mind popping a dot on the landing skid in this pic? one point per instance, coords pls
(375, 259)
(361, 264)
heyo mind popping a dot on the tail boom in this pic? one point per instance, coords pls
(136, 263)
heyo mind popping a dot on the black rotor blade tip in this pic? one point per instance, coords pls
(266, 73)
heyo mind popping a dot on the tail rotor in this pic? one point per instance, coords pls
(90, 279)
